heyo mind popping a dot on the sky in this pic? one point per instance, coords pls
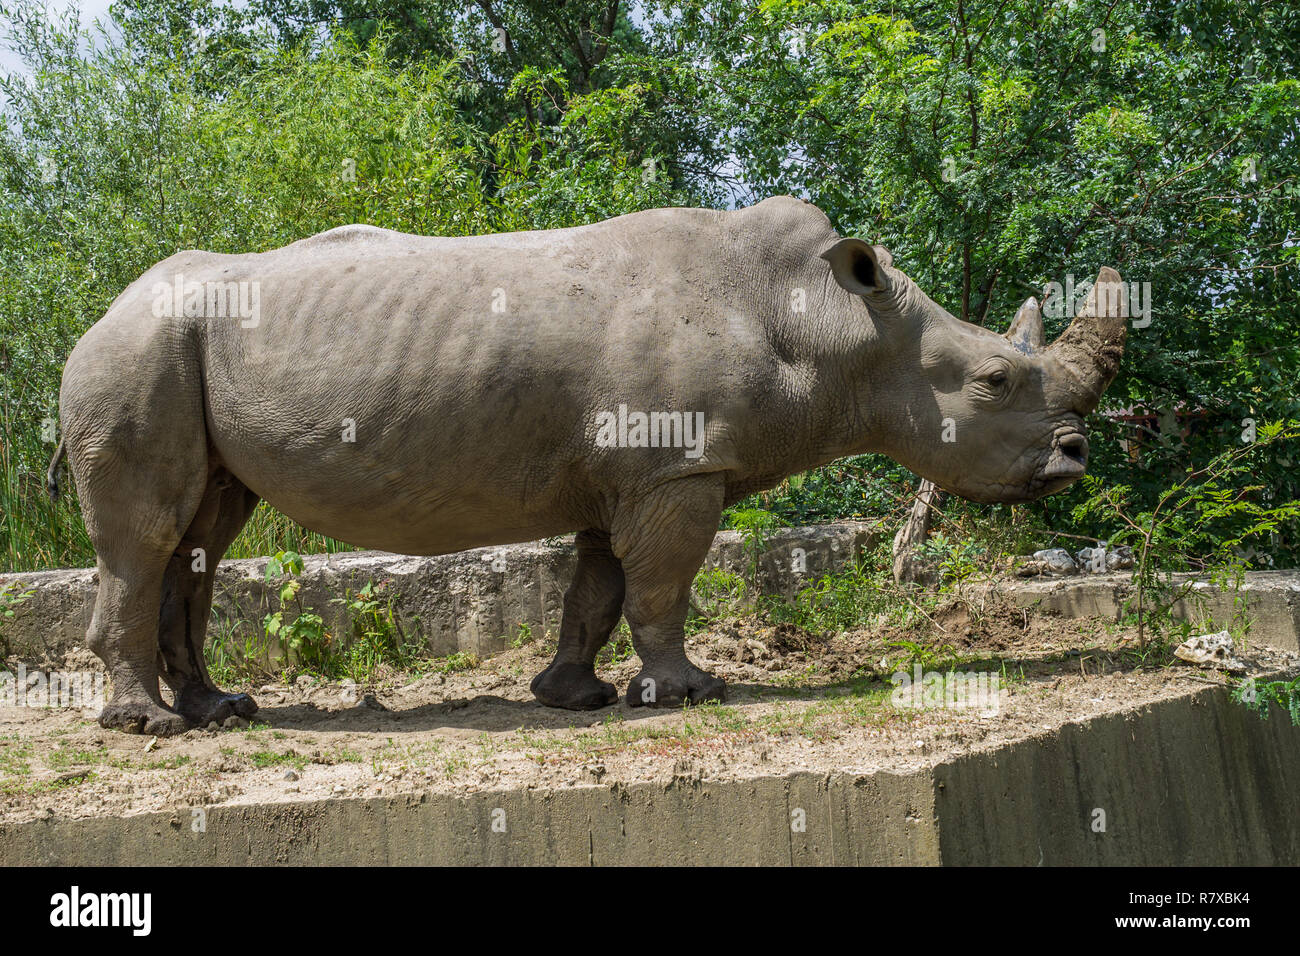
(91, 10)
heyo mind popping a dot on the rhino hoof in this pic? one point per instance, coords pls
(202, 705)
(673, 689)
(572, 687)
(142, 717)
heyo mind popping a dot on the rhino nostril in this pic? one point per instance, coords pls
(1074, 447)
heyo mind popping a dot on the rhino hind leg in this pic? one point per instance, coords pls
(187, 603)
(662, 541)
(122, 635)
(592, 606)
(132, 502)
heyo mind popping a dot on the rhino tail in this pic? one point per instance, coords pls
(52, 473)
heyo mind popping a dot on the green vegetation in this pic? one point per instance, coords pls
(304, 635)
(994, 147)
(295, 639)
(459, 661)
(1263, 697)
(377, 639)
(1202, 523)
(270, 758)
(11, 595)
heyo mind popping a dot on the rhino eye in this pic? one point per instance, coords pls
(997, 378)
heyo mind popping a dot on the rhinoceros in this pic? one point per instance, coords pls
(626, 380)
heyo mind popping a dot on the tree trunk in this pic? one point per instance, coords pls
(908, 566)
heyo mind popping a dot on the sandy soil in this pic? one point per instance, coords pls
(797, 701)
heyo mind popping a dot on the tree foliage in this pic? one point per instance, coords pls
(995, 146)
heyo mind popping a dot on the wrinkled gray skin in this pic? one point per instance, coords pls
(477, 427)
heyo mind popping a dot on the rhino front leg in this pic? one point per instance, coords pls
(592, 606)
(662, 541)
(187, 603)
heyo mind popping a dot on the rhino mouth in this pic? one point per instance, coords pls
(1063, 463)
(1066, 463)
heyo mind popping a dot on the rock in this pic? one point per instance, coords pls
(1211, 650)
(1102, 559)
(213, 725)
(1056, 561)
(153, 742)
(290, 775)
(1091, 559)
(1119, 559)
(234, 721)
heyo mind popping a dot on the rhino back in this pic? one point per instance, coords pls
(472, 370)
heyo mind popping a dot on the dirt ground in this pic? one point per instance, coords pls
(796, 701)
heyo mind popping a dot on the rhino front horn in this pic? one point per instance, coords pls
(1093, 346)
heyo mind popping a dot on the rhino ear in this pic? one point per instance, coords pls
(1026, 333)
(858, 266)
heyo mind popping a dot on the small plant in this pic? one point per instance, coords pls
(1213, 507)
(717, 592)
(459, 661)
(304, 635)
(236, 651)
(928, 658)
(376, 637)
(619, 648)
(754, 525)
(271, 758)
(957, 561)
(525, 636)
(855, 596)
(11, 597)
(1262, 697)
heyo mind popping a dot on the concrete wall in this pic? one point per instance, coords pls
(476, 601)
(1273, 601)
(1193, 779)
(473, 601)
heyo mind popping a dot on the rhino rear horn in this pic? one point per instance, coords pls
(1093, 345)
(1026, 334)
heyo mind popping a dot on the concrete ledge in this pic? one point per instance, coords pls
(1193, 778)
(1273, 601)
(473, 601)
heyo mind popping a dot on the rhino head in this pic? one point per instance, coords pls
(993, 418)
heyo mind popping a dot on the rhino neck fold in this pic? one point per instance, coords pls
(848, 407)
